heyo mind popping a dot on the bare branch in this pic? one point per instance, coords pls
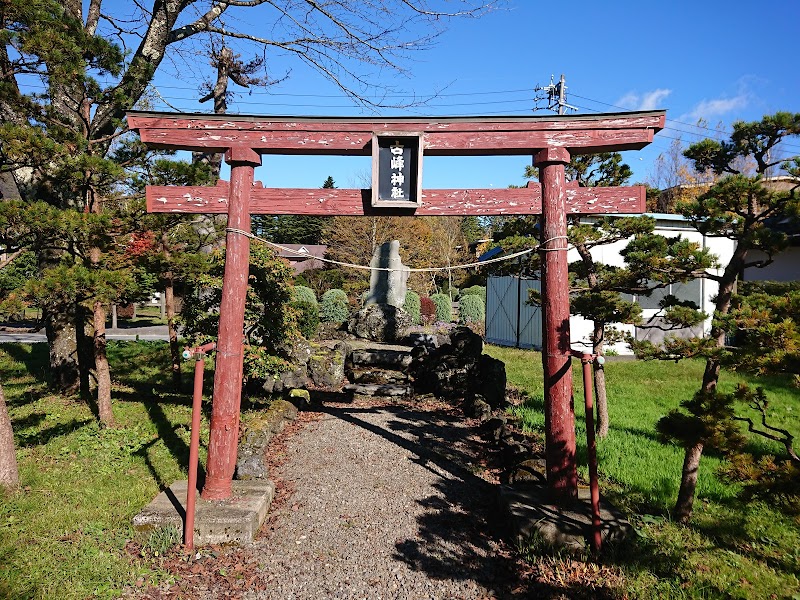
(786, 438)
(10, 258)
(199, 25)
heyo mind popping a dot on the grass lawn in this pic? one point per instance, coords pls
(64, 534)
(731, 549)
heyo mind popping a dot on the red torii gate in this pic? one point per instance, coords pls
(550, 140)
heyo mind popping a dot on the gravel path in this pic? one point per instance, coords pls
(383, 504)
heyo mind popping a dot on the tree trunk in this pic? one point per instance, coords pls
(101, 363)
(691, 459)
(63, 348)
(598, 339)
(601, 398)
(691, 463)
(174, 350)
(84, 328)
(9, 474)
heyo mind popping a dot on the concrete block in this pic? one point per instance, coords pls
(216, 522)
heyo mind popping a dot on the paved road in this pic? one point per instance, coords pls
(142, 333)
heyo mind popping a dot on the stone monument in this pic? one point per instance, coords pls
(388, 287)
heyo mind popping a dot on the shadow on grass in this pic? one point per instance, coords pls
(35, 359)
(459, 535)
(40, 438)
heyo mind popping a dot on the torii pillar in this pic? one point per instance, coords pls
(559, 409)
(224, 436)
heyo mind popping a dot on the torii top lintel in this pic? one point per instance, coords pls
(250, 135)
(443, 136)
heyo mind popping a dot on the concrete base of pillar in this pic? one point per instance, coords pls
(530, 512)
(216, 522)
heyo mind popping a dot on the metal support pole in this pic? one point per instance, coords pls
(194, 441)
(224, 434)
(559, 411)
(591, 448)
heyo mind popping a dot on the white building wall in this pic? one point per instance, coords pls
(668, 226)
(786, 266)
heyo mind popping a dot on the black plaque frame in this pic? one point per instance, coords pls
(412, 143)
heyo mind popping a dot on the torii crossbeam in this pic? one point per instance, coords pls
(550, 140)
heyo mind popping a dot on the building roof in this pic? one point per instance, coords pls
(303, 251)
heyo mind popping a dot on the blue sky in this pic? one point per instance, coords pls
(712, 60)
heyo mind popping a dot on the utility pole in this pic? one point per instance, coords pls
(556, 95)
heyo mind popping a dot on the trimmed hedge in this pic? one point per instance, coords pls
(472, 309)
(474, 290)
(427, 311)
(307, 317)
(301, 293)
(412, 306)
(334, 307)
(444, 308)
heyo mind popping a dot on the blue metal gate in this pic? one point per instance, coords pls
(509, 320)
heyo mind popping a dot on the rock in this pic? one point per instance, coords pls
(453, 370)
(532, 469)
(376, 375)
(331, 331)
(296, 378)
(388, 287)
(256, 435)
(465, 343)
(425, 340)
(395, 359)
(380, 323)
(251, 467)
(493, 428)
(301, 399)
(492, 381)
(326, 367)
(378, 390)
(286, 410)
(475, 406)
(515, 452)
(297, 352)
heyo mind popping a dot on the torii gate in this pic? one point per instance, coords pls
(550, 140)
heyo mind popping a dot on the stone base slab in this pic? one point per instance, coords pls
(529, 510)
(216, 521)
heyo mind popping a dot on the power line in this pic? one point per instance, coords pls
(720, 130)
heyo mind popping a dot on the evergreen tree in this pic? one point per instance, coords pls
(293, 229)
(651, 261)
(745, 209)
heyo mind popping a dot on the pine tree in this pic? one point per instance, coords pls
(651, 261)
(744, 209)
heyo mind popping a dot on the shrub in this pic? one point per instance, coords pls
(307, 316)
(267, 318)
(472, 309)
(474, 290)
(412, 306)
(444, 308)
(334, 308)
(301, 293)
(427, 311)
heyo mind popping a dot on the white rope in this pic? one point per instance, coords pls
(425, 270)
(541, 247)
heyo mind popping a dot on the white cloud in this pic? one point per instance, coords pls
(709, 109)
(646, 101)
